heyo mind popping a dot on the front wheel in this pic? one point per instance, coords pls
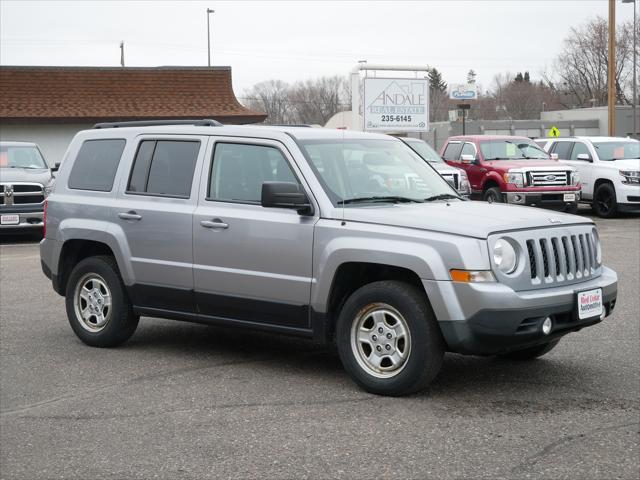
(492, 195)
(604, 201)
(531, 353)
(388, 338)
(98, 307)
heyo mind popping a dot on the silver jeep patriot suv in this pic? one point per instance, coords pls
(334, 236)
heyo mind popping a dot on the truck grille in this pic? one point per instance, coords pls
(549, 178)
(562, 258)
(452, 179)
(21, 194)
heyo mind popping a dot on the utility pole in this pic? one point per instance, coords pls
(611, 76)
(122, 53)
(635, 69)
(209, 11)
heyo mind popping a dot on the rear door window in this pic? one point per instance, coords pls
(563, 149)
(468, 149)
(452, 152)
(579, 148)
(96, 165)
(164, 168)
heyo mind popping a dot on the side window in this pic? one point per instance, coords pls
(238, 171)
(96, 164)
(452, 152)
(164, 167)
(563, 149)
(468, 149)
(579, 148)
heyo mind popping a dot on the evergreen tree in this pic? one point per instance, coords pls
(471, 76)
(527, 78)
(436, 83)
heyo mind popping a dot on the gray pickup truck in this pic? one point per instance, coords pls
(25, 181)
(334, 236)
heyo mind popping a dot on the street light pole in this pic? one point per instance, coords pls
(209, 11)
(635, 68)
(611, 74)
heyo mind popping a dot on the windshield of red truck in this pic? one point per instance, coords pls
(512, 150)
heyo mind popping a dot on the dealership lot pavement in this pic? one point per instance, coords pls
(189, 401)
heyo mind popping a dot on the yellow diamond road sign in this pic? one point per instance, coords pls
(554, 132)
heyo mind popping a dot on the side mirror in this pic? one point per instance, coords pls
(285, 195)
(584, 157)
(554, 156)
(56, 167)
(468, 159)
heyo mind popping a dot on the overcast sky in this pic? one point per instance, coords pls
(295, 40)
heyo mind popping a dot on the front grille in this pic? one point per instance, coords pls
(452, 179)
(21, 194)
(562, 258)
(549, 178)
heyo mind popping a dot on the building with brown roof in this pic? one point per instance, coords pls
(48, 105)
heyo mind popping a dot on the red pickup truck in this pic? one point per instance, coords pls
(513, 170)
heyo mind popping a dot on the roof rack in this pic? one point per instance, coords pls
(205, 122)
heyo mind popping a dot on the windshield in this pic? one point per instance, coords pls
(21, 157)
(366, 171)
(517, 149)
(627, 149)
(425, 151)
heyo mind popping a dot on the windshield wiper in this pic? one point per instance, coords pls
(394, 199)
(442, 196)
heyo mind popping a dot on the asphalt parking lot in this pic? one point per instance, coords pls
(189, 401)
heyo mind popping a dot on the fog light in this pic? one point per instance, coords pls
(546, 326)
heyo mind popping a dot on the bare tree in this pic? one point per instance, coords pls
(518, 98)
(316, 101)
(581, 67)
(271, 97)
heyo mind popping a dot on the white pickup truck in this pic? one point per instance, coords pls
(609, 170)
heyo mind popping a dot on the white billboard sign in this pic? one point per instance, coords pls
(396, 104)
(463, 91)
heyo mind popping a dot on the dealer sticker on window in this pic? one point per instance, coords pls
(9, 219)
(590, 304)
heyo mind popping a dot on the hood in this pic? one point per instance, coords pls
(443, 167)
(29, 175)
(472, 219)
(507, 164)
(625, 164)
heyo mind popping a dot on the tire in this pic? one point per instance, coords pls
(572, 209)
(416, 347)
(604, 201)
(109, 318)
(531, 353)
(492, 195)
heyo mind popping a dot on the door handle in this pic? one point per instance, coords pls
(130, 215)
(217, 223)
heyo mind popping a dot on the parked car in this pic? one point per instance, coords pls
(455, 176)
(513, 170)
(336, 236)
(25, 182)
(609, 170)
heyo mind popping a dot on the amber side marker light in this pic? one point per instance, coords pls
(472, 276)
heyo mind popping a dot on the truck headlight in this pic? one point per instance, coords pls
(48, 188)
(630, 177)
(505, 256)
(516, 178)
(575, 178)
(464, 186)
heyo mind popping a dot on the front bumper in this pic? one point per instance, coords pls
(25, 220)
(543, 199)
(491, 318)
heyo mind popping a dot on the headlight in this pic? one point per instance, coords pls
(575, 178)
(631, 177)
(516, 178)
(464, 186)
(504, 256)
(598, 247)
(48, 189)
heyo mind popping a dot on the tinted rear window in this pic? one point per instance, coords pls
(96, 164)
(563, 149)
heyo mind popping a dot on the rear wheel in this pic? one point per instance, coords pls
(531, 353)
(492, 195)
(98, 307)
(388, 338)
(604, 201)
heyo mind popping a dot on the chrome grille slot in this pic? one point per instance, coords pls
(532, 259)
(549, 178)
(577, 257)
(585, 254)
(452, 179)
(21, 194)
(545, 256)
(556, 255)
